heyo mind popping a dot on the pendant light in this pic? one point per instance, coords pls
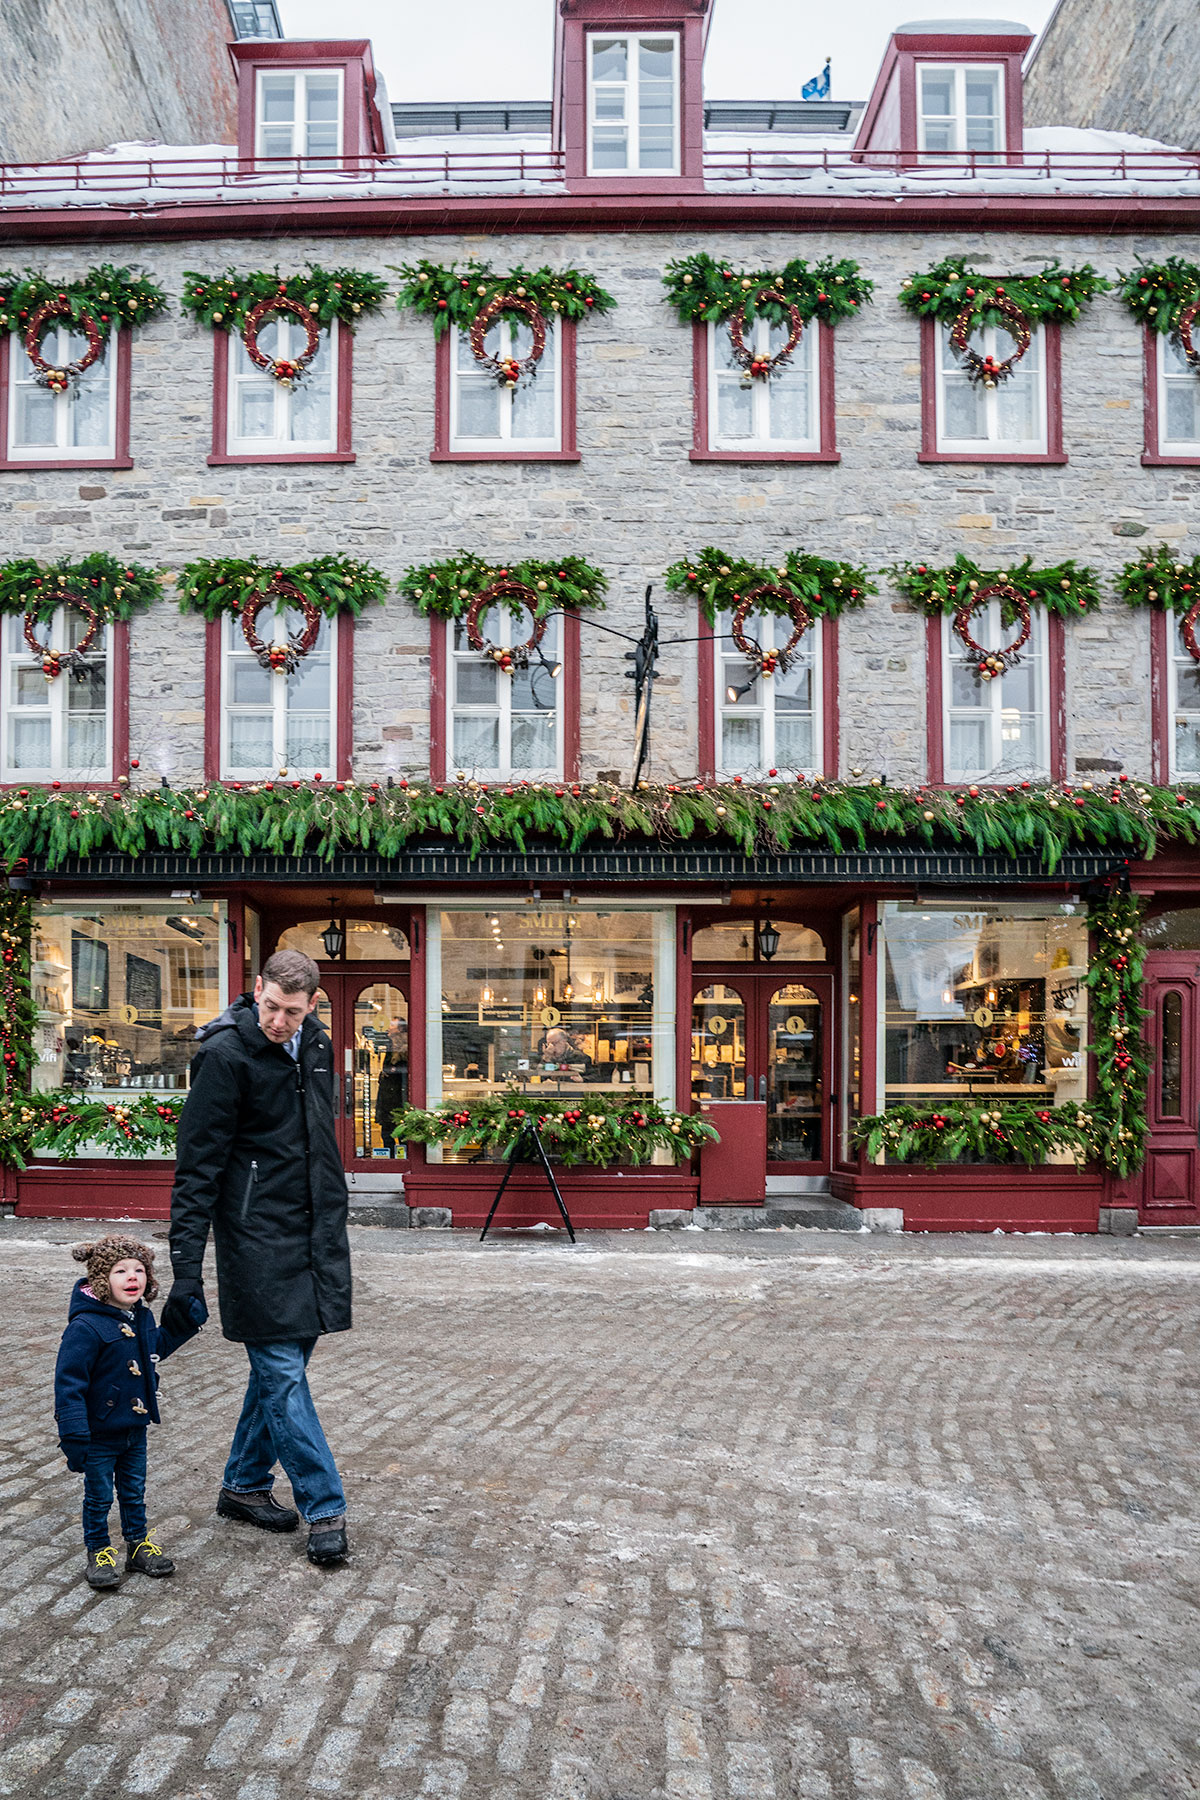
(333, 937)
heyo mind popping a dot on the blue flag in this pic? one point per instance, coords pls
(818, 87)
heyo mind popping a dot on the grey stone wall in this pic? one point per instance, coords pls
(1124, 65)
(76, 78)
(634, 503)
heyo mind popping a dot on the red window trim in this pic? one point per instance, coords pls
(343, 749)
(1160, 696)
(935, 756)
(1151, 456)
(439, 690)
(120, 459)
(120, 719)
(442, 452)
(929, 452)
(707, 698)
(828, 453)
(345, 410)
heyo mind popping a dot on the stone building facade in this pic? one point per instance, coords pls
(1118, 66)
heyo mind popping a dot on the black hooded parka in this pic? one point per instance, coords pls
(257, 1159)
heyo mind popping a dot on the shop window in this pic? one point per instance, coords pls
(1177, 930)
(633, 104)
(782, 413)
(263, 417)
(59, 730)
(718, 1044)
(984, 1001)
(270, 720)
(364, 940)
(88, 425)
(487, 418)
(121, 991)
(556, 1003)
(299, 114)
(1010, 417)
(768, 721)
(736, 940)
(505, 725)
(960, 107)
(994, 730)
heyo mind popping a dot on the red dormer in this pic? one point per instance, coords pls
(312, 100)
(629, 93)
(948, 86)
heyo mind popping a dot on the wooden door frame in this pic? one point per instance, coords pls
(1172, 971)
(343, 982)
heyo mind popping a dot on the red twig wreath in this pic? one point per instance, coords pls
(508, 370)
(1187, 631)
(58, 377)
(55, 661)
(285, 370)
(986, 369)
(763, 367)
(1183, 326)
(519, 655)
(990, 663)
(287, 657)
(767, 661)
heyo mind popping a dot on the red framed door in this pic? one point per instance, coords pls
(759, 1035)
(1171, 1181)
(365, 1012)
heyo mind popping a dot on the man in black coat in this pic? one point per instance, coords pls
(257, 1160)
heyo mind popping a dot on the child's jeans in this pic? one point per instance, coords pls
(123, 1459)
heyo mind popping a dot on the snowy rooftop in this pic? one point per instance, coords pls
(1055, 160)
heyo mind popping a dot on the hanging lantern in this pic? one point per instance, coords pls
(333, 937)
(768, 941)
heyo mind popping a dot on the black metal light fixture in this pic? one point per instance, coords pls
(768, 940)
(333, 937)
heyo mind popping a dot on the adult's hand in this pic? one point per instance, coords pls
(75, 1449)
(177, 1315)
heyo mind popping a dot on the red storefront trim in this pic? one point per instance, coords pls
(597, 1199)
(221, 456)
(1160, 714)
(700, 452)
(122, 376)
(980, 1199)
(929, 452)
(442, 452)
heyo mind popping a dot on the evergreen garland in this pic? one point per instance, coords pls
(212, 586)
(596, 1128)
(110, 297)
(18, 1015)
(450, 295)
(1156, 293)
(702, 289)
(446, 589)
(115, 589)
(71, 1124)
(1067, 589)
(223, 301)
(721, 580)
(1054, 296)
(1160, 578)
(1008, 1132)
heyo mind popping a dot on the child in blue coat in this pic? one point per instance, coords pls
(105, 1396)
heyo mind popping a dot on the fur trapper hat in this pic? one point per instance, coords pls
(104, 1255)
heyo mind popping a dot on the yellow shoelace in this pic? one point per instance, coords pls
(146, 1544)
(106, 1559)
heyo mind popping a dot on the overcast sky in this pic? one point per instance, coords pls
(501, 49)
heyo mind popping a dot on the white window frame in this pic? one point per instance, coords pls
(631, 121)
(505, 443)
(772, 631)
(508, 630)
(993, 442)
(299, 126)
(810, 346)
(985, 630)
(958, 117)
(231, 635)
(56, 352)
(1177, 659)
(280, 444)
(58, 769)
(1169, 446)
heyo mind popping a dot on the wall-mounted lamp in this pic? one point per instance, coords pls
(768, 940)
(333, 937)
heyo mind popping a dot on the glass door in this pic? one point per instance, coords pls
(366, 1016)
(719, 1013)
(1171, 1190)
(760, 1036)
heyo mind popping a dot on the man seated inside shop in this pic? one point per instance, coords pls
(561, 1053)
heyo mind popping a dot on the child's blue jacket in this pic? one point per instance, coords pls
(105, 1381)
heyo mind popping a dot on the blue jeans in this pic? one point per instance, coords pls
(121, 1459)
(279, 1423)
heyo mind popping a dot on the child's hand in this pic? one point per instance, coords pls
(198, 1311)
(75, 1449)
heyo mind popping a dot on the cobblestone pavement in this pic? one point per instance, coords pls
(659, 1518)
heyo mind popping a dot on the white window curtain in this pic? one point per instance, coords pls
(996, 729)
(961, 107)
(79, 423)
(502, 725)
(486, 415)
(58, 730)
(1185, 707)
(1178, 400)
(300, 114)
(271, 720)
(1010, 416)
(265, 417)
(780, 413)
(633, 104)
(768, 721)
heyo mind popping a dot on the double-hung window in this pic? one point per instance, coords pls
(780, 412)
(265, 417)
(60, 729)
(993, 730)
(633, 104)
(271, 720)
(1178, 400)
(768, 721)
(78, 424)
(1008, 418)
(488, 416)
(505, 726)
(1185, 706)
(960, 107)
(300, 114)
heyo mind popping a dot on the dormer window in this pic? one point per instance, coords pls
(633, 104)
(299, 114)
(960, 107)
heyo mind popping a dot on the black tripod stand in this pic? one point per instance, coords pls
(527, 1147)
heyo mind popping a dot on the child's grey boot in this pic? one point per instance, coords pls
(146, 1558)
(102, 1568)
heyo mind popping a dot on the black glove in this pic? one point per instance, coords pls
(177, 1314)
(75, 1449)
